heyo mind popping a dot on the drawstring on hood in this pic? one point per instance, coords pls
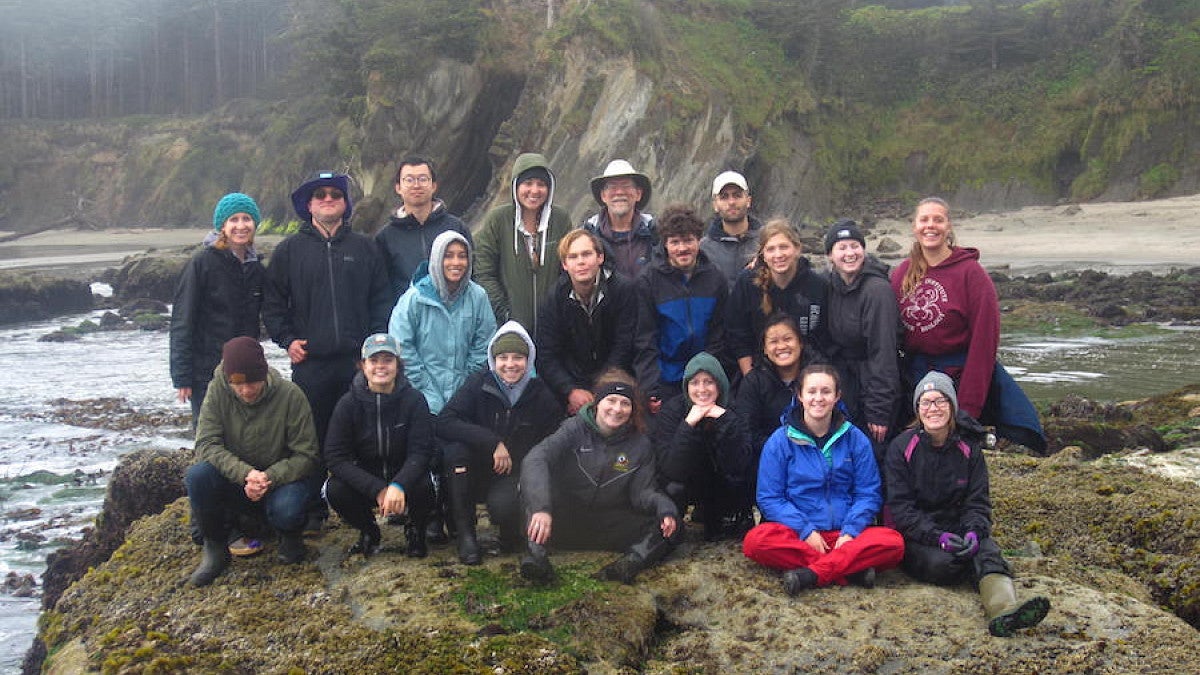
(523, 163)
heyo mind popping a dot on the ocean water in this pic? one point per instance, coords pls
(53, 470)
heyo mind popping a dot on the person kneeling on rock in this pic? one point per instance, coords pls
(937, 486)
(592, 485)
(256, 444)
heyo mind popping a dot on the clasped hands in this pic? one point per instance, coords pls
(257, 485)
(965, 546)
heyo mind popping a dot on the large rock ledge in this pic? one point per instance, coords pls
(33, 297)
(1119, 546)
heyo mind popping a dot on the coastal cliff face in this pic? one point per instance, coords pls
(681, 92)
(706, 609)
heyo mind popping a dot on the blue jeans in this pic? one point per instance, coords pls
(212, 496)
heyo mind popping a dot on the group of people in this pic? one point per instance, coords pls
(641, 366)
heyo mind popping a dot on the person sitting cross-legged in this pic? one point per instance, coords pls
(818, 490)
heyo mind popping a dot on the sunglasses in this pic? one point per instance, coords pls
(321, 193)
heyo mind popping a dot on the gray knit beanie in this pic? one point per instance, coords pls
(935, 381)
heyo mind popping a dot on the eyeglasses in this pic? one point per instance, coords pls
(930, 403)
(332, 193)
(416, 180)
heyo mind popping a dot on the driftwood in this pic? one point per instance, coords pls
(82, 221)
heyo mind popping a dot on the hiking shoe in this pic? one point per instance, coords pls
(1029, 614)
(864, 578)
(798, 580)
(244, 547)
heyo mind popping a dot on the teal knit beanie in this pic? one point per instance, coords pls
(235, 202)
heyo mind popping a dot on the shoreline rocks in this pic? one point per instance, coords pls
(35, 297)
(1113, 581)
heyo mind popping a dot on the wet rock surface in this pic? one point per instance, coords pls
(152, 275)
(1115, 549)
(33, 297)
(1113, 299)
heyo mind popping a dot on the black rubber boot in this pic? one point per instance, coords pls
(291, 547)
(624, 569)
(368, 542)
(214, 557)
(799, 579)
(213, 561)
(645, 553)
(462, 508)
(864, 578)
(437, 525)
(414, 535)
(535, 565)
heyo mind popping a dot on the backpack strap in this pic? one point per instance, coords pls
(912, 445)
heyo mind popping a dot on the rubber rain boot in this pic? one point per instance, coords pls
(437, 525)
(462, 509)
(291, 547)
(535, 565)
(1006, 615)
(214, 557)
(414, 535)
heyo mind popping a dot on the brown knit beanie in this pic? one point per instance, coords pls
(243, 361)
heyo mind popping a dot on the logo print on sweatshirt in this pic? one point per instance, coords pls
(921, 310)
(622, 463)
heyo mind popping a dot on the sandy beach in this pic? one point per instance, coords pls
(81, 253)
(1118, 237)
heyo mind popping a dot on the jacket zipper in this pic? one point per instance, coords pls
(337, 330)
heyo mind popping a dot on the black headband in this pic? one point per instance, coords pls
(618, 388)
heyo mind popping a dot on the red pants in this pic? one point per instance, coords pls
(778, 546)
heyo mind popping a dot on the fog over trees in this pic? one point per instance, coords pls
(80, 58)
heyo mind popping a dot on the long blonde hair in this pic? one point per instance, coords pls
(917, 265)
(773, 227)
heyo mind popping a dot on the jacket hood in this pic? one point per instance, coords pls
(211, 238)
(403, 219)
(434, 270)
(705, 362)
(522, 163)
(959, 254)
(872, 267)
(587, 414)
(511, 326)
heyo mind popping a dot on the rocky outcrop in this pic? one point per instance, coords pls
(33, 297)
(706, 609)
(148, 276)
(140, 485)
